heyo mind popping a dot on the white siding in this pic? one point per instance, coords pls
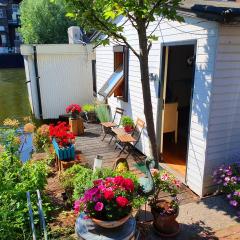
(224, 123)
(205, 33)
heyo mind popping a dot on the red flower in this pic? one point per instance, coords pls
(61, 133)
(118, 180)
(108, 195)
(73, 108)
(128, 184)
(122, 201)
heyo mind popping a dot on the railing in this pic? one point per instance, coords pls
(40, 213)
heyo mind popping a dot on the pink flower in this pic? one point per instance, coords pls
(177, 183)
(164, 177)
(77, 205)
(99, 206)
(122, 201)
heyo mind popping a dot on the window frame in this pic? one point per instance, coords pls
(125, 50)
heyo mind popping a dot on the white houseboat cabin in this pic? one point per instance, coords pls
(195, 88)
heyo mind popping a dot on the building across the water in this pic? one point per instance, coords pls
(9, 22)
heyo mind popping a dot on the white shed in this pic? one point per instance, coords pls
(58, 75)
(194, 69)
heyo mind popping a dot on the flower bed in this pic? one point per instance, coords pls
(109, 199)
(228, 178)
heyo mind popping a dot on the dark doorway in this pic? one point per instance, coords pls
(177, 95)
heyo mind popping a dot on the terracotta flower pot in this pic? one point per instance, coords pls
(111, 224)
(165, 225)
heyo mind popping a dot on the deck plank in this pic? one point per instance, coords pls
(91, 145)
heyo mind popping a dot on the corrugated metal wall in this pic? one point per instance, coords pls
(65, 77)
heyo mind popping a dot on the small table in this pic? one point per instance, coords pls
(87, 230)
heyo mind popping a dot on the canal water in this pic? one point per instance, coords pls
(14, 101)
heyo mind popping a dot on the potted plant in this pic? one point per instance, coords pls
(165, 211)
(75, 121)
(127, 123)
(74, 110)
(109, 202)
(63, 141)
(89, 110)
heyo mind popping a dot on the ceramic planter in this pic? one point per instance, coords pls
(67, 153)
(128, 129)
(111, 224)
(165, 225)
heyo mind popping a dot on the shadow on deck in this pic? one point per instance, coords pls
(91, 145)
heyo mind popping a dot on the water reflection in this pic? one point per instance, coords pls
(13, 94)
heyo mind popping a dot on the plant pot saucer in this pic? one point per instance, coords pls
(176, 230)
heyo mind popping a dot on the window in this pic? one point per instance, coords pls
(117, 84)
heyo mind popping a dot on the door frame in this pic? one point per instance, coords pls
(161, 101)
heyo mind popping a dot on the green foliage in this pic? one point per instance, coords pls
(88, 108)
(77, 179)
(103, 113)
(104, 15)
(15, 180)
(127, 121)
(41, 138)
(43, 22)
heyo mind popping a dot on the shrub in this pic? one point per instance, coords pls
(103, 113)
(127, 121)
(15, 180)
(77, 179)
(41, 138)
(228, 178)
(88, 108)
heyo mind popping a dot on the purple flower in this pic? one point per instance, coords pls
(229, 196)
(234, 179)
(227, 179)
(233, 203)
(99, 206)
(236, 193)
(229, 172)
(89, 194)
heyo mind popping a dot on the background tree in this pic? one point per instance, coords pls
(102, 15)
(44, 22)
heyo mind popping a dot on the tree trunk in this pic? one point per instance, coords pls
(147, 101)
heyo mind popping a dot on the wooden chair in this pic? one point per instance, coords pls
(130, 140)
(170, 123)
(107, 126)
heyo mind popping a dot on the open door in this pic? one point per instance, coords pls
(175, 105)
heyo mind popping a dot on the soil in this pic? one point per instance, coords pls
(63, 218)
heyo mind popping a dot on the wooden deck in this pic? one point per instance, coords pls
(91, 145)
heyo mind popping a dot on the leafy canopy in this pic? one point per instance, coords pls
(43, 22)
(104, 15)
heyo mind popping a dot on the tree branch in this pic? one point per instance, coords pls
(155, 27)
(156, 5)
(111, 32)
